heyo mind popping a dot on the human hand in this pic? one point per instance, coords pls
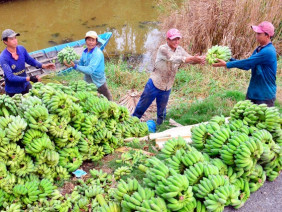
(71, 64)
(38, 78)
(199, 59)
(219, 63)
(49, 66)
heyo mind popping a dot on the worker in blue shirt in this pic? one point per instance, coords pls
(12, 61)
(92, 64)
(263, 63)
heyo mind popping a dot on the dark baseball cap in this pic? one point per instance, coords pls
(8, 33)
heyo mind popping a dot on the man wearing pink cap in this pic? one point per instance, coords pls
(263, 63)
(169, 57)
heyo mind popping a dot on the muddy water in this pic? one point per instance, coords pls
(45, 23)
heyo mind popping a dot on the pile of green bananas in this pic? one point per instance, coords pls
(50, 131)
(67, 54)
(8, 106)
(218, 52)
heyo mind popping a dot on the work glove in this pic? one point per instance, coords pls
(33, 79)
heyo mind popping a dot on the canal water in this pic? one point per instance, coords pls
(45, 23)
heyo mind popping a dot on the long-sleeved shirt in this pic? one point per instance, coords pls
(263, 64)
(166, 65)
(14, 70)
(93, 66)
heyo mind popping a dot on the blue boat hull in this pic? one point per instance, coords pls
(50, 55)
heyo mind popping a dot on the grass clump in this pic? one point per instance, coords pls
(205, 23)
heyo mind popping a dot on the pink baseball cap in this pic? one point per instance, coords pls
(173, 33)
(264, 27)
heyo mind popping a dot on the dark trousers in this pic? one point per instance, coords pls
(103, 89)
(24, 92)
(149, 94)
(269, 103)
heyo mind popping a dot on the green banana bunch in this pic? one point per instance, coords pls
(157, 171)
(222, 196)
(60, 104)
(235, 125)
(7, 106)
(82, 204)
(272, 119)
(17, 98)
(57, 126)
(153, 204)
(114, 111)
(248, 153)
(102, 176)
(200, 206)
(7, 183)
(270, 153)
(3, 170)
(256, 178)
(67, 54)
(110, 207)
(70, 158)
(239, 109)
(83, 145)
(81, 85)
(73, 137)
(171, 146)
(30, 102)
(14, 207)
(15, 129)
(220, 120)
(243, 185)
(196, 172)
(121, 171)
(76, 113)
(199, 136)
(88, 126)
(3, 139)
(46, 188)
(179, 163)
(48, 157)
(12, 154)
(61, 173)
(38, 118)
(227, 153)
(93, 191)
(176, 190)
(217, 140)
(208, 184)
(38, 145)
(96, 153)
(31, 135)
(44, 171)
(218, 52)
(222, 167)
(124, 114)
(23, 168)
(191, 157)
(108, 149)
(277, 136)
(136, 199)
(128, 187)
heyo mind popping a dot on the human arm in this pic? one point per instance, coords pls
(181, 57)
(245, 64)
(31, 61)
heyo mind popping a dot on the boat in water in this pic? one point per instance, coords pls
(49, 55)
